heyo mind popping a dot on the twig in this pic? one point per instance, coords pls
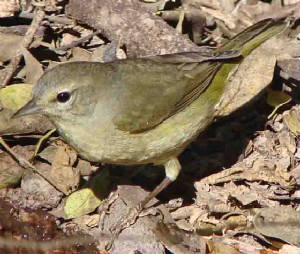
(78, 42)
(22, 161)
(55, 19)
(25, 163)
(28, 38)
(46, 246)
(50, 246)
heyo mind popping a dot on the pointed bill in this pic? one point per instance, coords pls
(29, 109)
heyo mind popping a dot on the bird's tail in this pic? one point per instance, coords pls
(255, 35)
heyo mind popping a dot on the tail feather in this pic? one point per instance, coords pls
(253, 36)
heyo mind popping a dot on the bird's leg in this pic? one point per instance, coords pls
(172, 169)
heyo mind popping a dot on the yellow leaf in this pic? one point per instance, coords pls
(86, 200)
(15, 96)
(276, 99)
(80, 203)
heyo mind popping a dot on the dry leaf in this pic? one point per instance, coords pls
(290, 68)
(63, 175)
(80, 54)
(234, 222)
(85, 167)
(34, 69)
(8, 8)
(10, 171)
(289, 249)
(246, 245)
(48, 153)
(40, 190)
(218, 247)
(226, 18)
(87, 221)
(244, 195)
(86, 200)
(178, 241)
(9, 45)
(279, 222)
(253, 75)
(292, 120)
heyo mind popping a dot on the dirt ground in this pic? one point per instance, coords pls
(238, 191)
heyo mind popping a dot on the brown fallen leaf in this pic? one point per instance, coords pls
(217, 246)
(292, 120)
(63, 175)
(40, 193)
(279, 222)
(179, 241)
(80, 54)
(9, 45)
(34, 69)
(290, 68)
(10, 171)
(289, 249)
(253, 75)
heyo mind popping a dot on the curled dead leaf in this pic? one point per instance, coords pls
(292, 120)
(279, 222)
(63, 175)
(276, 99)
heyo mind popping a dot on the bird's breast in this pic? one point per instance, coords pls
(103, 142)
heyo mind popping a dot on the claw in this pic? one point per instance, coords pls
(124, 223)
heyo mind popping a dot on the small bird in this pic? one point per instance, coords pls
(140, 111)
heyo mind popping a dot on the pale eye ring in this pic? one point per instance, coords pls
(63, 96)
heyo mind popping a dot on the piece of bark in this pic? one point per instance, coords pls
(140, 31)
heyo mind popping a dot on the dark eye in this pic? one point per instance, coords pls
(63, 96)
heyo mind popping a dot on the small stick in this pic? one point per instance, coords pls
(78, 42)
(46, 246)
(55, 19)
(23, 162)
(28, 38)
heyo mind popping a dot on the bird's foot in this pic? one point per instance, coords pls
(124, 223)
(103, 210)
(135, 212)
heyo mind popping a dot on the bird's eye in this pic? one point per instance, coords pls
(63, 96)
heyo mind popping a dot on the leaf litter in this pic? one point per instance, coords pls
(239, 191)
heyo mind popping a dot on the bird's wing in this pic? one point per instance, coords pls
(153, 89)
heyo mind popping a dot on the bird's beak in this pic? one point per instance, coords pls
(29, 109)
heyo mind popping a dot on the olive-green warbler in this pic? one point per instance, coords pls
(146, 110)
